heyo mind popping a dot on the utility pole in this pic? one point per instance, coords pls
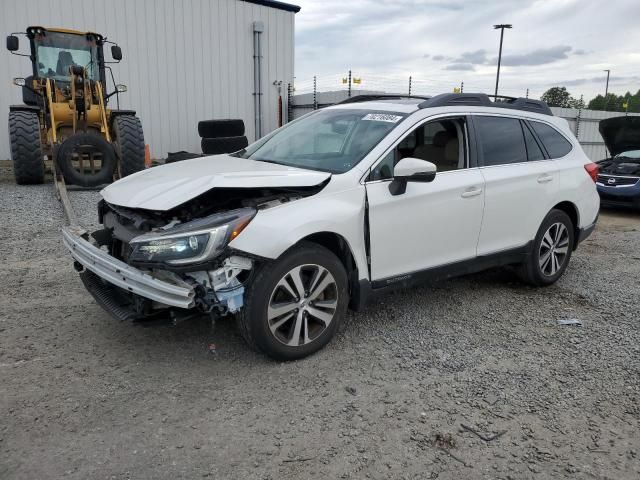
(501, 27)
(606, 90)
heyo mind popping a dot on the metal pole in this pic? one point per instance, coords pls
(461, 87)
(289, 103)
(258, 28)
(527, 96)
(501, 27)
(409, 85)
(606, 90)
(349, 93)
(315, 98)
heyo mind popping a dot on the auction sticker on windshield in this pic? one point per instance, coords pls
(382, 117)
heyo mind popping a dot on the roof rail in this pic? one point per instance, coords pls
(382, 96)
(483, 100)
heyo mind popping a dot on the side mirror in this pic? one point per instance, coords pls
(120, 88)
(13, 43)
(411, 170)
(116, 53)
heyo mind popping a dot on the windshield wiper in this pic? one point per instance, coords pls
(267, 161)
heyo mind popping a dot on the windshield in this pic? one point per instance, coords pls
(56, 52)
(629, 154)
(332, 140)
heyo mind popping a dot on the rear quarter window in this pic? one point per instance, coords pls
(556, 145)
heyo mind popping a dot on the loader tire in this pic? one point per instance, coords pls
(221, 128)
(86, 142)
(215, 146)
(129, 143)
(26, 151)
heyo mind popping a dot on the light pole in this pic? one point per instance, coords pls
(606, 89)
(502, 26)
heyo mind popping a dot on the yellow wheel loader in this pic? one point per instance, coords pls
(65, 122)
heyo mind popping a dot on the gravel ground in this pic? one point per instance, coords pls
(472, 378)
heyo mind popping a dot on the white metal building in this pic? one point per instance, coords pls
(183, 61)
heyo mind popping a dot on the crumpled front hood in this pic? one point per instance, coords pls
(167, 186)
(620, 134)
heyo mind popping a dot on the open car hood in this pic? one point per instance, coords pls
(167, 186)
(620, 134)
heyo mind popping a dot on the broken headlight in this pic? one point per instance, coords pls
(191, 242)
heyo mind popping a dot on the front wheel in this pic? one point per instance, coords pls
(294, 306)
(551, 250)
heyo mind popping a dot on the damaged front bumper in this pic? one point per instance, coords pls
(178, 294)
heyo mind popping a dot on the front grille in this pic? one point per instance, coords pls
(615, 181)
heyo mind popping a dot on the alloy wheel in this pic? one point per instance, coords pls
(302, 305)
(554, 249)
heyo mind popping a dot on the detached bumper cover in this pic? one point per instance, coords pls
(122, 275)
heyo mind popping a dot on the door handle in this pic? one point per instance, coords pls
(545, 178)
(471, 192)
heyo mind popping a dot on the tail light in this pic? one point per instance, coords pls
(592, 169)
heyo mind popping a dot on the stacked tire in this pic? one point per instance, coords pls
(222, 136)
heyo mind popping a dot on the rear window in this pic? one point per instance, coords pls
(501, 140)
(556, 145)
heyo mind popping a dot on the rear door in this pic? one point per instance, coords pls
(520, 182)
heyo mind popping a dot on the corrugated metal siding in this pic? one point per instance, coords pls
(584, 124)
(183, 61)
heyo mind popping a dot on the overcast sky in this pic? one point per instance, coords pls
(443, 42)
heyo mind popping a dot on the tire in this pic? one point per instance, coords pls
(88, 141)
(215, 146)
(221, 128)
(270, 335)
(557, 230)
(128, 142)
(26, 151)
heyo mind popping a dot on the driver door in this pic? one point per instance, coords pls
(430, 224)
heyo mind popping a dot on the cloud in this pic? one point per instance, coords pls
(439, 58)
(460, 66)
(580, 51)
(600, 79)
(479, 57)
(540, 56)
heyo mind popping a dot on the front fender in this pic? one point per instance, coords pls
(275, 230)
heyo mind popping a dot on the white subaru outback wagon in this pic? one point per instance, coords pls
(372, 194)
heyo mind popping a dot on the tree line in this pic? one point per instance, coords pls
(560, 97)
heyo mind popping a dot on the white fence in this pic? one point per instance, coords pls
(583, 123)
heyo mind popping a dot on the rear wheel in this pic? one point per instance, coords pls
(294, 306)
(129, 143)
(26, 151)
(551, 250)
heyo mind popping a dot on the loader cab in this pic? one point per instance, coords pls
(53, 52)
